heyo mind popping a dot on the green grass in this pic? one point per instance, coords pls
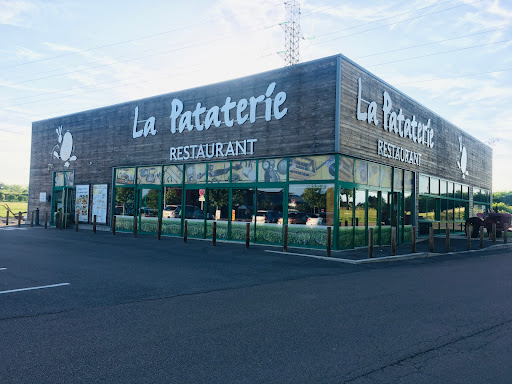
(16, 207)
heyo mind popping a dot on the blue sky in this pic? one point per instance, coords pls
(60, 57)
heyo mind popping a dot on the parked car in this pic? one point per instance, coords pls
(295, 217)
(191, 212)
(148, 212)
(318, 219)
(169, 212)
(263, 216)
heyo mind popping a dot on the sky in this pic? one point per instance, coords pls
(63, 56)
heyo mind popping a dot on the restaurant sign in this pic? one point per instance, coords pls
(400, 125)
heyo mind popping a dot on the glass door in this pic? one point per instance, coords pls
(149, 203)
(397, 218)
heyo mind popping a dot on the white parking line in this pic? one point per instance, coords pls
(12, 229)
(3, 269)
(32, 288)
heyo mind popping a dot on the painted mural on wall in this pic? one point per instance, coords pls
(64, 150)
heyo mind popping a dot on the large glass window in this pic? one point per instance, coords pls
(242, 211)
(149, 209)
(149, 175)
(398, 180)
(360, 214)
(125, 176)
(312, 168)
(408, 181)
(346, 215)
(386, 176)
(173, 174)
(385, 218)
(424, 185)
(219, 172)
(244, 171)
(272, 170)
(443, 188)
(171, 221)
(194, 212)
(373, 174)
(195, 173)
(346, 169)
(269, 216)
(218, 210)
(124, 207)
(434, 186)
(373, 213)
(310, 211)
(361, 172)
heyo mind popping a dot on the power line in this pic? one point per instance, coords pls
(440, 53)
(387, 25)
(201, 24)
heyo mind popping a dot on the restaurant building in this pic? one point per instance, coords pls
(315, 145)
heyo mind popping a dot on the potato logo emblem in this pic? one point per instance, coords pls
(65, 148)
(463, 162)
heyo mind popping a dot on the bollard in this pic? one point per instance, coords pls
(32, 219)
(505, 234)
(413, 239)
(482, 236)
(214, 233)
(447, 245)
(37, 216)
(328, 241)
(19, 219)
(76, 223)
(494, 233)
(393, 241)
(94, 224)
(46, 220)
(159, 230)
(285, 238)
(469, 240)
(185, 228)
(370, 244)
(114, 225)
(247, 234)
(7, 221)
(431, 239)
(134, 226)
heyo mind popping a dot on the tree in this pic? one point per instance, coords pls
(314, 197)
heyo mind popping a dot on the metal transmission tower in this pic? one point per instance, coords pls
(293, 32)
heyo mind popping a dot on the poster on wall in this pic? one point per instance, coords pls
(82, 203)
(99, 202)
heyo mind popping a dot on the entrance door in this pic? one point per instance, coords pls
(149, 203)
(63, 204)
(397, 219)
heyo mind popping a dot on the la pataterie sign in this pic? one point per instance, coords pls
(201, 119)
(400, 125)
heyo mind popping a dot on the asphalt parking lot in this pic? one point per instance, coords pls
(84, 307)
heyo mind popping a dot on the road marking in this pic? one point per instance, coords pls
(335, 259)
(33, 288)
(3, 269)
(12, 229)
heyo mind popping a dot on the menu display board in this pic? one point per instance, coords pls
(99, 202)
(82, 202)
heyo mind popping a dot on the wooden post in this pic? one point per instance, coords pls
(19, 219)
(94, 224)
(481, 236)
(413, 239)
(447, 245)
(393, 241)
(214, 233)
(494, 233)
(505, 234)
(32, 219)
(328, 242)
(76, 223)
(7, 221)
(159, 230)
(247, 234)
(285, 238)
(114, 225)
(469, 240)
(185, 228)
(370, 244)
(431, 239)
(46, 220)
(134, 226)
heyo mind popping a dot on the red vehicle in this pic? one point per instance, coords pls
(501, 219)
